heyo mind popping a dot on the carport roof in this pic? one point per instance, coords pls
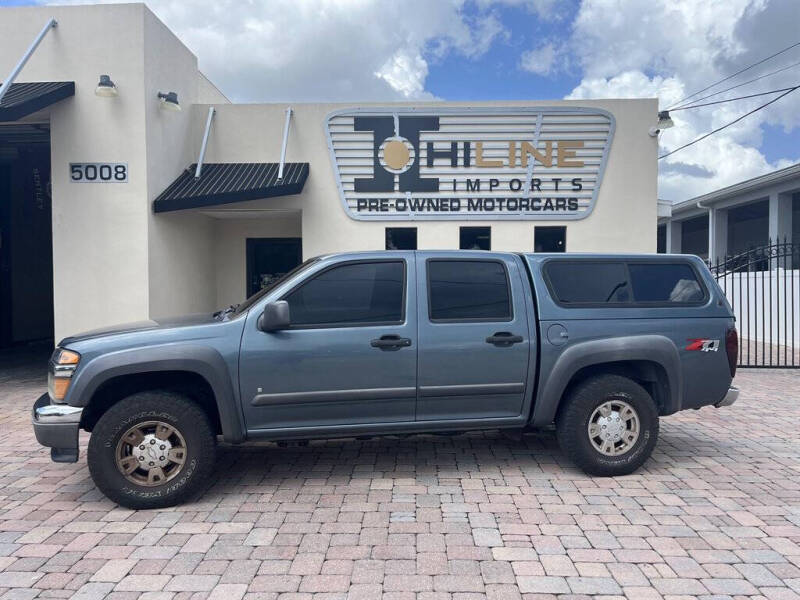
(224, 183)
(24, 99)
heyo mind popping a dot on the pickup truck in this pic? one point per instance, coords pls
(399, 342)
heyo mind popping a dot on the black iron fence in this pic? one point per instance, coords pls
(763, 287)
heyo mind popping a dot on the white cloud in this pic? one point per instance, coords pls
(670, 49)
(268, 50)
(540, 61)
(629, 84)
(405, 74)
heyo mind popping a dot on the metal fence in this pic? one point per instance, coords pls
(763, 287)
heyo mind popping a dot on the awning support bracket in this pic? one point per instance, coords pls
(285, 140)
(199, 168)
(15, 71)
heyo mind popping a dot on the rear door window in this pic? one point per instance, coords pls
(588, 282)
(673, 283)
(468, 290)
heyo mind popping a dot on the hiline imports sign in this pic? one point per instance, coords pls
(462, 163)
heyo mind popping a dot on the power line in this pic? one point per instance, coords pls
(738, 85)
(740, 71)
(712, 132)
(687, 106)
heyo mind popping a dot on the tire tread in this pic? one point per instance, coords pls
(581, 400)
(185, 411)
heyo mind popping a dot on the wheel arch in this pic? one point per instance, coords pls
(186, 383)
(650, 360)
(198, 372)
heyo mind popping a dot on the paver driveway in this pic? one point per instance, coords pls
(715, 512)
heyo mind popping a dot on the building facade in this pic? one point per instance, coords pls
(735, 219)
(107, 218)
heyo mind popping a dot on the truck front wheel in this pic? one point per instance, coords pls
(151, 450)
(608, 425)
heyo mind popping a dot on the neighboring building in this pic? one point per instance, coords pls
(103, 220)
(735, 219)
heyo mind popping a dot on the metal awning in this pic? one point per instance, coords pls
(224, 183)
(23, 99)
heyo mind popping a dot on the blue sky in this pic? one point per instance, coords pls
(779, 143)
(496, 75)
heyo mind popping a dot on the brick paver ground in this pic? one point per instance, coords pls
(715, 513)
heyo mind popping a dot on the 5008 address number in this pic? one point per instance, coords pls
(98, 172)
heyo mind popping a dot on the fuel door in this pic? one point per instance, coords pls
(557, 334)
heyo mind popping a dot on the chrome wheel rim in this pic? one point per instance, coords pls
(614, 428)
(151, 453)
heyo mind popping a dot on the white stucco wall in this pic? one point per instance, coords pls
(106, 244)
(99, 231)
(180, 264)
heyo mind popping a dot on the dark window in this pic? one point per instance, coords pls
(588, 282)
(664, 282)
(694, 236)
(475, 238)
(748, 227)
(269, 259)
(550, 239)
(468, 290)
(661, 239)
(401, 238)
(350, 294)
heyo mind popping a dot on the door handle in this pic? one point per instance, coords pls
(390, 342)
(504, 338)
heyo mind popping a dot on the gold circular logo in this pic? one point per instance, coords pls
(396, 154)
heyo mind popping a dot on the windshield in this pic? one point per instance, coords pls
(244, 306)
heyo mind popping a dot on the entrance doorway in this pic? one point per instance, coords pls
(26, 239)
(270, 258)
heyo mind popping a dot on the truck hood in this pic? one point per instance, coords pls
(167, 323)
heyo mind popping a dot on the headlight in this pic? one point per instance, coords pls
(62, 366)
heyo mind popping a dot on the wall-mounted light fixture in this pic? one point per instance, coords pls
(106, 88)
(169, 101)
(664, 122)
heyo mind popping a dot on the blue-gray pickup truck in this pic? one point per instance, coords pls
(399, 342)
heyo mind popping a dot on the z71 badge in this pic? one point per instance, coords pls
(703, 345)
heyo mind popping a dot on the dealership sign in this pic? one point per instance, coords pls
(462, 163)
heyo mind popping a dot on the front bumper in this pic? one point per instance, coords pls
(729, 398)
(56, 427)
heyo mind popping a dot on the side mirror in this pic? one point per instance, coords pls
(275, 317)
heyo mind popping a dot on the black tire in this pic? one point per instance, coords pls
(572, 425)
(161, 406)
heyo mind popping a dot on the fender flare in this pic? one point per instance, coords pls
(652, 348)
(201, 360)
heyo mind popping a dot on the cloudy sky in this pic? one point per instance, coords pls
(295, 50)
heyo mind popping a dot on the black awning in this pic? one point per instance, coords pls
(223, 183)
(23, 99)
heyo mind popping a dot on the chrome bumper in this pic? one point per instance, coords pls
(56, 427)
(730, 397)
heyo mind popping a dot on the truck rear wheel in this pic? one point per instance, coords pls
(608, 425)
(151, 450)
